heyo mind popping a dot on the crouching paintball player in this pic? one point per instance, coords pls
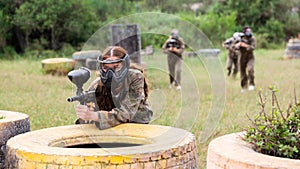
(121, 93)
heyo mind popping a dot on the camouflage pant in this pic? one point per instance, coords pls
(174, 64)
(247, 70)
(232, 59)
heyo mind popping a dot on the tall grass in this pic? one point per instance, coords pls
(24, 88)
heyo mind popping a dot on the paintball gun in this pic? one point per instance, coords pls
(173, 43)
(239, 37)
(79, 77)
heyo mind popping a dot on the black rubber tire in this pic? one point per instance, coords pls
(81, 57)
(91, 63)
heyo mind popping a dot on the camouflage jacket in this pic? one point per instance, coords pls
(132, 107)
(248, 52)
(229, 44)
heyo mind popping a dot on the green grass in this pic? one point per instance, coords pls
(24, 88)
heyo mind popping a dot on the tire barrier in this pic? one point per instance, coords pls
(11, 124)
(57, 66)
(292, 49)
(230, 151)
(87, 58)
(85, 146)
(209, 52)
(91, 63)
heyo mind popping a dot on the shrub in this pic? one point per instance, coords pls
(9, 53)
(276, 133)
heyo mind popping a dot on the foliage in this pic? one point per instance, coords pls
(223, 26)
(156, 41)
(292, 23)
(2, 117)
(107, 11)
(8, 53)
(43, 97)
(42, 25)
(265, 17)
(55, 21)
(277, 133)
(3, 29)
(5, 21)
(273, 31)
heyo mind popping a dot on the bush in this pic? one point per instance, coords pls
(67, 50)
(32, 54)
(9, 53)
(276, 133)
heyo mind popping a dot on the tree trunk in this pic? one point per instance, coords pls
(19, 41)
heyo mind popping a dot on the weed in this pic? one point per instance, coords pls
(276, 133)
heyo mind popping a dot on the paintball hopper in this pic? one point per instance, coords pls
(80, 76)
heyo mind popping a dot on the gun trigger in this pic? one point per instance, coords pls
(91, 105)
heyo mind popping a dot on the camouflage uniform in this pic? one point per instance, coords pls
(174, 61)
(130, 105)
(233, 55)
(246, 62)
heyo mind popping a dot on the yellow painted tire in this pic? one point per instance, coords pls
(11, 124)
(159, 147)
(58, 66)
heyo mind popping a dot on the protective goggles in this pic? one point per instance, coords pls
(118, 73)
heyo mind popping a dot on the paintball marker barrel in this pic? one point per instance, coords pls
(74, 98)
(84, 97)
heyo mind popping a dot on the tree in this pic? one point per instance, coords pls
(265, 17)
(10, 34)
(55, 21)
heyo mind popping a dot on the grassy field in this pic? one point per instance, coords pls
(24, 88)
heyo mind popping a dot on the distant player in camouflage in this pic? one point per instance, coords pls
(174, 47)
(121, 92)
(247, 46)
(233, 53)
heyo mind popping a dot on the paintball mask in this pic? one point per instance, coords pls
(238, 35)
(114, 76)
(248, 33)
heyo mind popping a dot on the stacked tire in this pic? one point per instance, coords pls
(11, 124)
(87, 58)
(292, 49)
